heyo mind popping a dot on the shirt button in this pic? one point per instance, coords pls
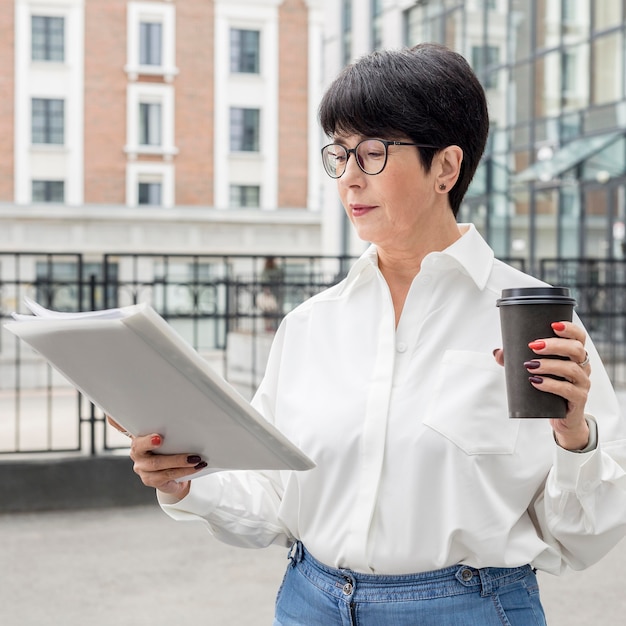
(401, 346)
(347, 589)
(467, 575)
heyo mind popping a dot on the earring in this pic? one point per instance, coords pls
(442, 186)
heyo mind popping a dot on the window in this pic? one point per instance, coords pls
(48, 191)
(377, 24)
(346, 31)
(244, 130)
(149, 194)
(47, 38)
(150, 39)
(48, 121)
(150, 183)
(244, 51)
(484, 60)
(149, 124)
(245, 196)
(150, 47)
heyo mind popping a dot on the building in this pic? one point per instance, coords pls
(553, 179)
(160, 126)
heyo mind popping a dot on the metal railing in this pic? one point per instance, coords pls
(226, 307)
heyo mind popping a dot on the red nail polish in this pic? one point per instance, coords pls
(535, 379)
(156, 440)
(537, 345)
(559, 326)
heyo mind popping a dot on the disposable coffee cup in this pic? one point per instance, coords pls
(526, 314)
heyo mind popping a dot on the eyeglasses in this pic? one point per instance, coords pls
(370, 155)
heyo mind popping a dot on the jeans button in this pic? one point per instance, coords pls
(467, 575)
(347, 588)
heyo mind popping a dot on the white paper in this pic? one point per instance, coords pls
(133, 365)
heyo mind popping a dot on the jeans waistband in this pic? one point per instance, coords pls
(359, 587)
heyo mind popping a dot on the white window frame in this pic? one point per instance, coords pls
(150, 172)
(163, 13)
(137, 93)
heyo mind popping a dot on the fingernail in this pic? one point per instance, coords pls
(537, 345)
(558, 326)
(156, 440)
(201, 465)
(535, 379)
(532, 365)
(193, 459)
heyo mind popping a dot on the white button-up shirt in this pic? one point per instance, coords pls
(418, 465)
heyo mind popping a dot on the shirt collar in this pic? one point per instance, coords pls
(470, 253)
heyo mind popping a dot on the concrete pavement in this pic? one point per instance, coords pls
(133, 566)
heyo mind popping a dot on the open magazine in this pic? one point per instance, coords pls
(132, 364)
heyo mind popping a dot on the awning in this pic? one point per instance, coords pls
(567, 157)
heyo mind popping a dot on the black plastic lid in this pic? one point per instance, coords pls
(536, 295)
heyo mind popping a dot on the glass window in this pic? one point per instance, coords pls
(377, 24)
(245, 196)
(244, 51)
(150, 43)
(520, 29)
(47, 38)
(484, 59)
(574, 80)
(608, 66)
(569, 221)
(149, 193)
(149, 124)
(606, 14)
(548, 85)
(412, 23)
(520, 78)
(576, 20)
(244, 130)
(346, 31)
(48, 121)
(48, 191)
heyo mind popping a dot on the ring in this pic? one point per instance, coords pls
(586, 361)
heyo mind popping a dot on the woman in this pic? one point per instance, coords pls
(428, 505)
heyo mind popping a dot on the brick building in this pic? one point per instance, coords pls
(169, 126)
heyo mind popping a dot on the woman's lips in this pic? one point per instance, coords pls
(361, 209)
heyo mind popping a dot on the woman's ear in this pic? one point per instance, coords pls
(449, 162)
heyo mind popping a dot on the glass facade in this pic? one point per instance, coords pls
(553, 179)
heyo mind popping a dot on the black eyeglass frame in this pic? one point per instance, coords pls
(385, 143)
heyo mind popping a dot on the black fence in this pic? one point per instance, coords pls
(227, 307)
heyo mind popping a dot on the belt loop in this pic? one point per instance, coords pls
(485, 582)
(296, 553)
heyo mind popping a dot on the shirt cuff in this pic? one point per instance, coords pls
(203, 498)
(592, 443)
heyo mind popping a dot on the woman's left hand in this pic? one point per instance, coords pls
(572, 433)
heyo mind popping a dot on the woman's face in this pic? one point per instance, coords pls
(392, 208)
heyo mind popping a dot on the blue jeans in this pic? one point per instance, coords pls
(313, 594)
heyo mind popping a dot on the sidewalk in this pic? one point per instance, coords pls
(136, 567)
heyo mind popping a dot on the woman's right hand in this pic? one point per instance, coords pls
(161, 471)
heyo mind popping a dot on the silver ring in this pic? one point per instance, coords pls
(586, 361)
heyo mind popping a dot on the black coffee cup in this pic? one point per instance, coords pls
(526, 314)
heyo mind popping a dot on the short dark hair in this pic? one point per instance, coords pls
(427, 93)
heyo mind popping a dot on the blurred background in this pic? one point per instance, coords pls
(167, 152)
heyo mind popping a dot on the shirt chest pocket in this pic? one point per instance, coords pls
(469, 406)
